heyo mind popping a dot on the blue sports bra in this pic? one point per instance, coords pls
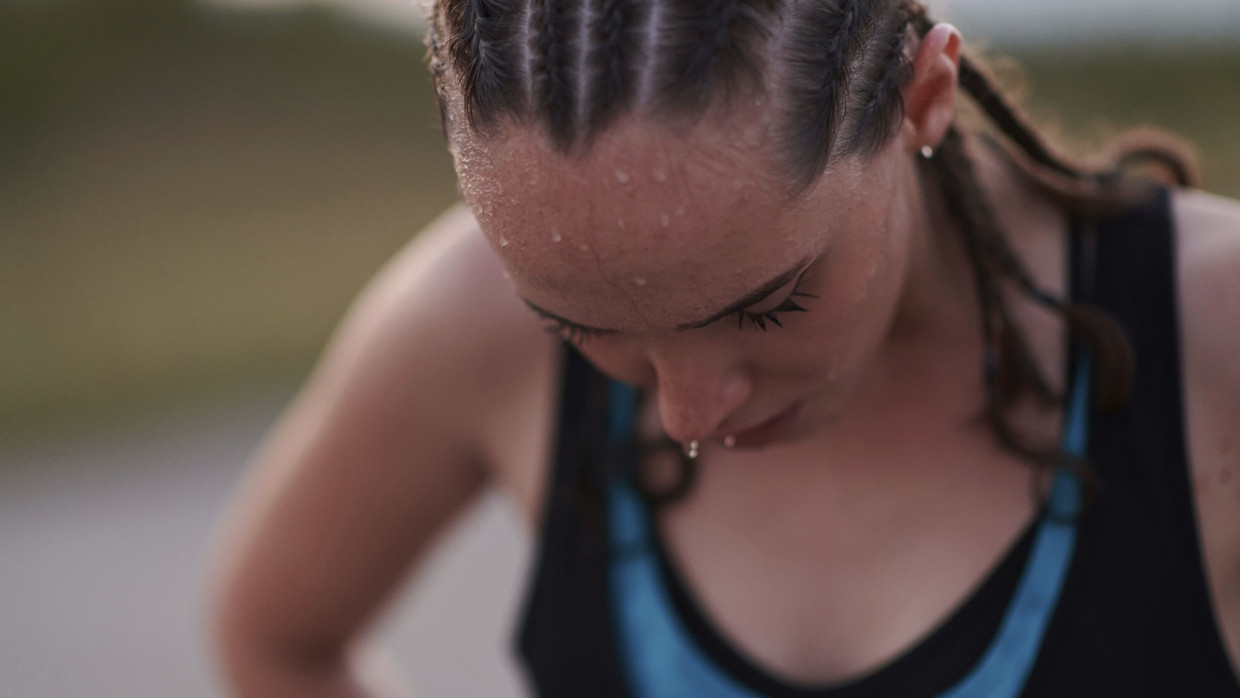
(662, 660)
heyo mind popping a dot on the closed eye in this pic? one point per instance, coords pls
(578, 334)
(760, 320)
(571, 332)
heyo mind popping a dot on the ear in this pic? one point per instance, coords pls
(930, 97)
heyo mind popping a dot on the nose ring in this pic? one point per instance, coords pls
(692, 448)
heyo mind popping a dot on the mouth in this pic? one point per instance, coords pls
(764, 433)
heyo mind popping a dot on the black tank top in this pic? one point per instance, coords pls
(1134, 617)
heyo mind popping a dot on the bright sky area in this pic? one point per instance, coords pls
(1007, 21)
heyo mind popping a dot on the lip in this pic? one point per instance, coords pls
(766, 432)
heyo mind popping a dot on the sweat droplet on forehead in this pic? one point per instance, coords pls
(574, 230)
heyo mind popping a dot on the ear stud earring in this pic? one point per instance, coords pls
(927, 152)
(729, 441)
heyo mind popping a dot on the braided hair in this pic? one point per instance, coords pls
(834, 70)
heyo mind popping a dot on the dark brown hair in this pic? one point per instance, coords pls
(831, 72)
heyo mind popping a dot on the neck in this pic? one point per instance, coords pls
(937, 322)
(939, 297)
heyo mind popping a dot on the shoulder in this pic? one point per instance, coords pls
(1208, 268)
(1208, 229)
(438, 339)
(408, 414)
(446, 288)
(1208, 272)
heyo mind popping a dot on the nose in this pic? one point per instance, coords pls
(697, 390)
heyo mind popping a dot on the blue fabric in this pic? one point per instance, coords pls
(661, 660)
(1005, 667)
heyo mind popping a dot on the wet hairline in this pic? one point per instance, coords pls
(742, 131)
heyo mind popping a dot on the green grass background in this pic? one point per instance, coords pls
(189, 199)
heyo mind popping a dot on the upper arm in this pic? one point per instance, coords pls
(390, 437)
(1209, 284)
(1209, 273)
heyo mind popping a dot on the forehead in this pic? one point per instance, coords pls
(648, 228)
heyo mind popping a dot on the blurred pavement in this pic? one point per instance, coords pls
(102, 544)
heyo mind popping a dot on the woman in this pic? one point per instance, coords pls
(857, 413)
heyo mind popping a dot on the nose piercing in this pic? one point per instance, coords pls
(729, 441)
(691, 450)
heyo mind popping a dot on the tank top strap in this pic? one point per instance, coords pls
(566, 638)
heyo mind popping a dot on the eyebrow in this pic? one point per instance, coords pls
(760, 293)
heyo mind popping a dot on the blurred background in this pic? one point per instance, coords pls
(190, 195)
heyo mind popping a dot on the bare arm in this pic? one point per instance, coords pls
(390, 438)
(1209, 277)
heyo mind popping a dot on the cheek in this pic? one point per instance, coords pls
(857, 294)
(871, 266)
(849, 286)
(868, 276)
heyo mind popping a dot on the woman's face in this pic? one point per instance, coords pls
(678, 262)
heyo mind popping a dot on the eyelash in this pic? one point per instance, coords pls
(577, 335)
(759, 320)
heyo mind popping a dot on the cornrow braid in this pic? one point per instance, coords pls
(482, 48)
(1144, 147)
(821, 43)
(552, 73)
(1008, 368)
(1099, 332)
(882, 104)
(1003, 115)
(1100, 192)
(611, 59)
(825, 37)
(716, 47)
(1019, 373)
